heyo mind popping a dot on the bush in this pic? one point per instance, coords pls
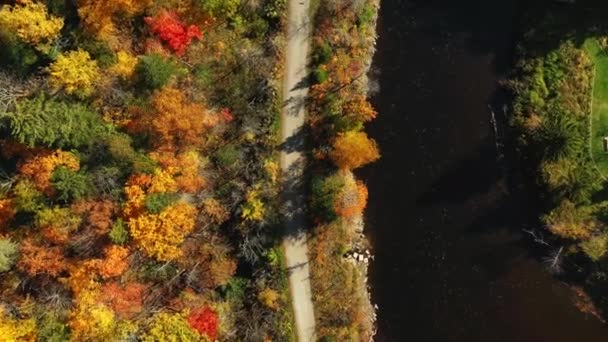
(27, 197)
(323, 53)
(8, 254)
(119, 233)
(170, 327)
(321, 75)
(595, 247)
(70, 185)
(155, 71)
(235, 289)
(325, 192)
(51, 329)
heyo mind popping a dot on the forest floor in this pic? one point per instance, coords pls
(599, 106)
(293, 164)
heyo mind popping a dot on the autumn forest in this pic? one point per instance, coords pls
(139, 169)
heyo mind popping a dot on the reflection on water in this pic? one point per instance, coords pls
(451, 262)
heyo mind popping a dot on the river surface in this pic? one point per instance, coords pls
(452, 263)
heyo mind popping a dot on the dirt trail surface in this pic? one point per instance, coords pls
(293, 164)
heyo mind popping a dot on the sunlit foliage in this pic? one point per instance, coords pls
(352, 150)
(159, 235)
(75, 72)
(31, 22)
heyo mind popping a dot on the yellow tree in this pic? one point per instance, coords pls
(125, 65)
(354, 149)
(12, 329)
(75, 72)
(159, 235)
(31, 22)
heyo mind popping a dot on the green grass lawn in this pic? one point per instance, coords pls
(599, 115)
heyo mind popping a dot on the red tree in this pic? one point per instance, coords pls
(172, 31)
(205, 321)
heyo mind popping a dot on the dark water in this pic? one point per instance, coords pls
(451, 261)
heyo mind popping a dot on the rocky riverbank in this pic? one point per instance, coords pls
(343, 48)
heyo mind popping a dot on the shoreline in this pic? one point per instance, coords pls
(358, 224)
(339, 250)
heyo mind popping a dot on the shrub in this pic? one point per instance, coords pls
(119, 233)
(52, 329)
(325, 192)
(595, 247)
(570, 221)
(8, 254)
(205, 321)
(70, 185)
(172, 31)
(26, 197)
(321, 75)
(235, 289)
(125, 65)
(155, 71)
(323, 53)
(170, 327)
(270, 298)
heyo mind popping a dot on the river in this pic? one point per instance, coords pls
(452, 263)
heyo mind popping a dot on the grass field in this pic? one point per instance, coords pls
(599, 110)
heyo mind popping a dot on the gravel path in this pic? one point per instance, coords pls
(293, 165)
